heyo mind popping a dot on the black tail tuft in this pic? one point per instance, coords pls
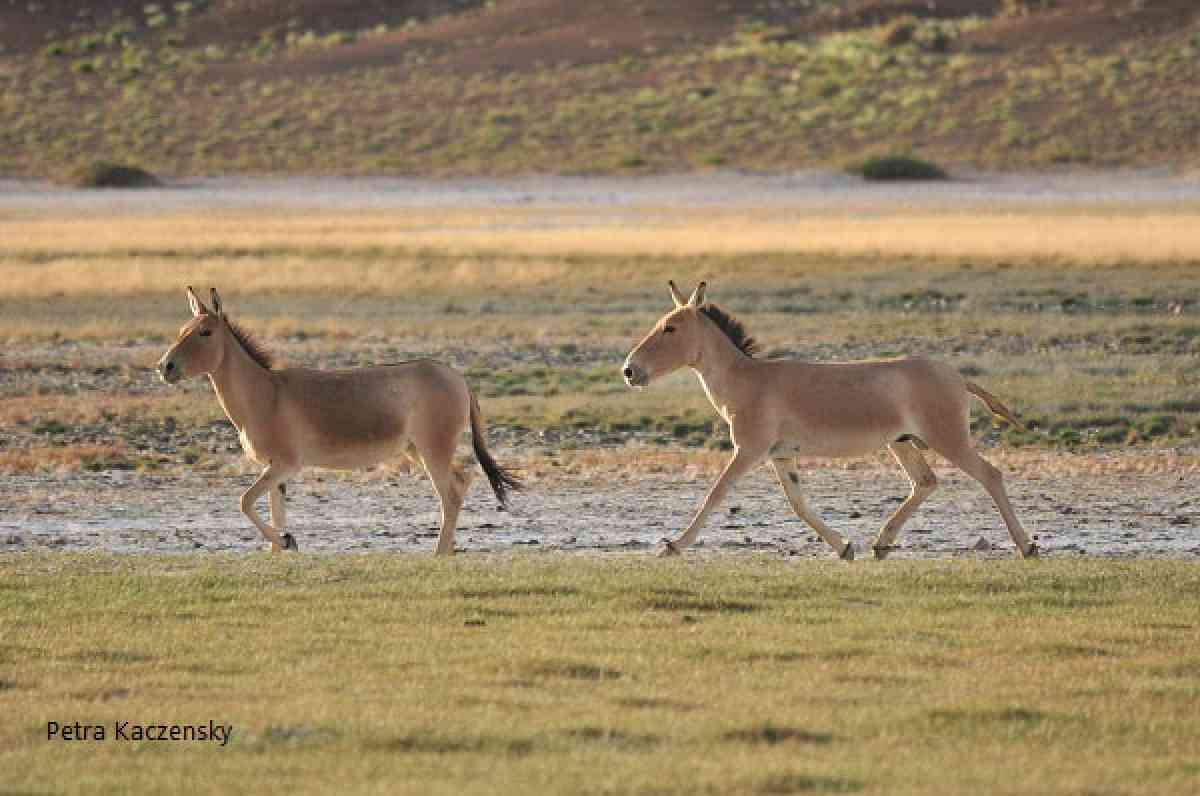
(501, 478)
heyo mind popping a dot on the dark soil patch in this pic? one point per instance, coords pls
(771, 735)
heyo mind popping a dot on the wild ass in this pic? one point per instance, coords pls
(782, 409)
(292, 418)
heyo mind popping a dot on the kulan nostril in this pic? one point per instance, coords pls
(170, 367)
(629, 373)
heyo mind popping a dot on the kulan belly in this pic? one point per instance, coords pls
(849, 422)
(357, 455)
(825, 443)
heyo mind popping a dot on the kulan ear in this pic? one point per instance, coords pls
(216, 302)
(195, 304)
(698, 296)
(676, 296)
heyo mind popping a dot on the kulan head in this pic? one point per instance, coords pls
(673, 343)
(200, 348)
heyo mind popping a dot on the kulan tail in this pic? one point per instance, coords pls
(994, 406)
(501, 479)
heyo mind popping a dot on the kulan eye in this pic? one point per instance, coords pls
(668, 329)
(206, 332)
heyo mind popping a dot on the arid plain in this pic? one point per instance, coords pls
(1073, 298)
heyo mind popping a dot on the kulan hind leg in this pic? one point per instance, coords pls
(923, 482)
(409, 459)
(962, 455)
(450, 482)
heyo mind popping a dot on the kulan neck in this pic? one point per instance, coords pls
(244, 387)
(719, 367)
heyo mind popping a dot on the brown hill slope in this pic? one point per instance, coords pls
(442, 86)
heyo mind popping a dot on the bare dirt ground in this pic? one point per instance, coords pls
(1107, 513)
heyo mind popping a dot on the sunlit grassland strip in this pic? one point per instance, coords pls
(1084, 236)
(610, 674)
(1090, 348)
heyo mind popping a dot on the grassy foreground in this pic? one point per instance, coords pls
(590, 675)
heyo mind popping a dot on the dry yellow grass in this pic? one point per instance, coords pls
(85, 275)
(1087, 236)
(60, 458)
(100, 406)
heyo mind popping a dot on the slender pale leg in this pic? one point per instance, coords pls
(278, 503)
(985, 473)
(450, 488)
(789, 478)
(923, 482)
(269, 481)
(742, 462)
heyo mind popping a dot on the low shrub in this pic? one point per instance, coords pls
(104, 174)
(898, 167)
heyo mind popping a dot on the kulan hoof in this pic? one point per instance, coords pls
(1033, 551)
(847, 553)
(289, 543)
(882, 552)
(669, 549)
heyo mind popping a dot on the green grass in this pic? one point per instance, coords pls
(618, 674)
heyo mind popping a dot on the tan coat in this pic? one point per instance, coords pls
(781, 409)
(292, 418)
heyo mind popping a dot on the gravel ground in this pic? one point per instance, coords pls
(1114, 514)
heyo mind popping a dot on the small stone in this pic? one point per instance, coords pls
(982, 545)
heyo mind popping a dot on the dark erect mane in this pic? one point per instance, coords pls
(734, 329)
(252, 347)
